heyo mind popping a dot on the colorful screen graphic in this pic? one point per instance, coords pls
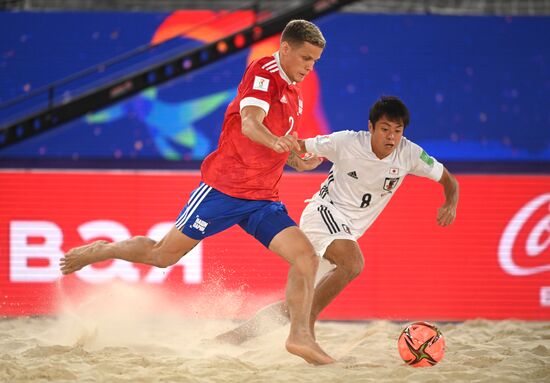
(477, 87)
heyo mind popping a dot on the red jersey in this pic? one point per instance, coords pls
(239, 166)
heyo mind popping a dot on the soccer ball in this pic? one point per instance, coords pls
(421, 344)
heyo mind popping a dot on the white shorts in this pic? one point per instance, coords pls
(323, 223)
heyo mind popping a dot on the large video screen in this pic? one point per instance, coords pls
(477, 87)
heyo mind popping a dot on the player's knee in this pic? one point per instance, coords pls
(354, 266)
(145, 243)
(163, 261)
(164, 258)
(307, 260)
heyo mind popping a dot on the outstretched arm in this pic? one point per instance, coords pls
(447, 213)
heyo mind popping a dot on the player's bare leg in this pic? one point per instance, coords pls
(139, 249)
(293, 245)
(347, 257)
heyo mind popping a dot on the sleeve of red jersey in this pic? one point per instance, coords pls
(258, 87)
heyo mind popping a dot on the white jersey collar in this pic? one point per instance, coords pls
(281, 71)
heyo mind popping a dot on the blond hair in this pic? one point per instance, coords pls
(303, 31)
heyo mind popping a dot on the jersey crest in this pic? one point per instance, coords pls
(390, 183)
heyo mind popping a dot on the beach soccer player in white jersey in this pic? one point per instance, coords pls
(368, 167)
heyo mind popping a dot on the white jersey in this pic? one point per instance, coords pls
(359, 184)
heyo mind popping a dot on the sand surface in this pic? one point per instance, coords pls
(128, 335)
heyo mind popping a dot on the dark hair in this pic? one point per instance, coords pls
(392, 107)
(303, 31)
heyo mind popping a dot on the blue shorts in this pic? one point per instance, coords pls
(210, 211)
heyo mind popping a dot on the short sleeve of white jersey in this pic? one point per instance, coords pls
(328, 146)
(257, 88)
(423, 164)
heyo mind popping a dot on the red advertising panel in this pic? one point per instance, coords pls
(493, 262)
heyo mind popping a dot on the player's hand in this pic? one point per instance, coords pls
(446, 215)
(286, 144)
(310, 161)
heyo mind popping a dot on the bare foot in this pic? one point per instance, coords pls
(82, 256)
(306, 348)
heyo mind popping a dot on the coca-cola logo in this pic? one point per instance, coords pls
(515, 242)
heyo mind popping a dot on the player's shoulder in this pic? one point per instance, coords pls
(264, 61)
(264, 74)
(359, 138)
(349, 142)
(408, 149)
(350, 135)
(362, 135)
(405, 144)
(266, 66)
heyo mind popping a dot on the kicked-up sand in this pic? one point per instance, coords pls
(125, 334)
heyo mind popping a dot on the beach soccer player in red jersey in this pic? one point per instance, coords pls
(240, 183)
